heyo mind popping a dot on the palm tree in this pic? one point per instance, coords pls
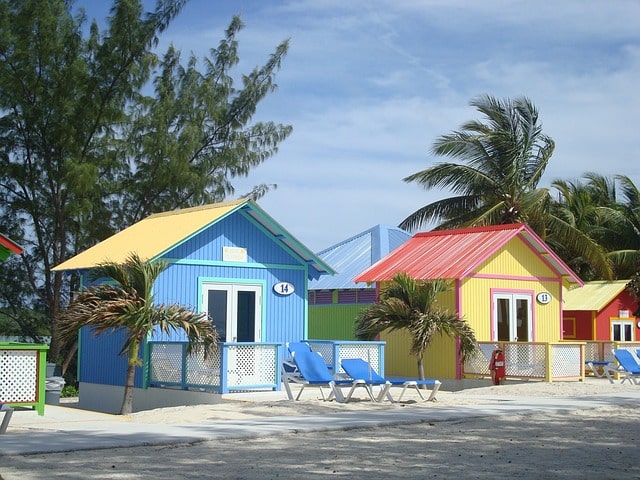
(502, 163)
(581, 206)
(594, 208)
(624, 217)
(408, 304)
(504, 160)
(633, 287)
(129, 305)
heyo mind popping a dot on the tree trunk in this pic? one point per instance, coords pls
(69, 357)
(127, 401)
(420, 367)
(54, 307)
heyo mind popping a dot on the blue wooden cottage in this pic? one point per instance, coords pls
(231, 260)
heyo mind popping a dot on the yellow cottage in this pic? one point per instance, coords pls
(507, 286)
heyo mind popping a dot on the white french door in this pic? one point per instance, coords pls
(235, 309)
(512, 317)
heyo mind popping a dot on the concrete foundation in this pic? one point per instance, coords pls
(108, 398)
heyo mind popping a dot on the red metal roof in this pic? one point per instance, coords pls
(454, 254)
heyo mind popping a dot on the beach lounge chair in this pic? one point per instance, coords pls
(603, 369)
(288, 365)
(629, 367)
(359, 368)
(312, 371)
(294, 347)
(8, 412)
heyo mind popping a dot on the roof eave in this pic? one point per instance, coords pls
(10, 245)
(282, 235)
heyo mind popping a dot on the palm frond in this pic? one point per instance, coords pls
(129, 305)
(624, 262)
(455, 208)
(502, 159)
(630, 191)
(564, 235)
(412, 305)
(460, 179)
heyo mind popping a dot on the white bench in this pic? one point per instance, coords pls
(8, 411)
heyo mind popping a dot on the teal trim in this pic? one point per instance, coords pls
(146, 363)
(305, 327)
(79, 334)
(78, 363)
(273, 237)
(267, 220)
(220, 263)
(224, 371)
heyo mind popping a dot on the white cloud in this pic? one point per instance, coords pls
(369, 84)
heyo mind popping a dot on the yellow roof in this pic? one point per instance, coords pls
(152, 236)
(593, 296)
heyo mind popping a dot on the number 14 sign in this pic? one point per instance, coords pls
(284, 288)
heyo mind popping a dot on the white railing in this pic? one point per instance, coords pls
(334, 351)
(531, 360)
(602, 351)
(242, 366)
(232, 367)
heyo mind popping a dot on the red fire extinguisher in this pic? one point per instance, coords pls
(497, 366)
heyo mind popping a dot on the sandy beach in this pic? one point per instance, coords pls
(586, 443)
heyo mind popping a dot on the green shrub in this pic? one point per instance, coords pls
(69, 391)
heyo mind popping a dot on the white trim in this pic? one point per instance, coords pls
(512, 299)
(231, 321)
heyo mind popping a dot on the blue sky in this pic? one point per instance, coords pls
(368, 85)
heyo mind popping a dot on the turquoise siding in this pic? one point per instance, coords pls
(236, 230)
(99, 359)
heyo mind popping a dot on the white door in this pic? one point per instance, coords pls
(512, 317)
(236, 310)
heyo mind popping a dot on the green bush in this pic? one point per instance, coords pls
(69, 391)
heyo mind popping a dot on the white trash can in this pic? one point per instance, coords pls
(53, 389)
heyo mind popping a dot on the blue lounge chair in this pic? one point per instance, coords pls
(292, 347)
(359, 368)
(311, 371)
(630, 369)
(288, 365)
